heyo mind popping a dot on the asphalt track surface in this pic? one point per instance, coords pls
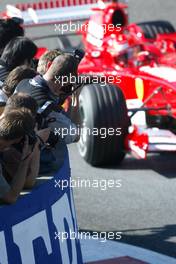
(144, 208)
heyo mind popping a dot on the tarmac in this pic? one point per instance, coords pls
(111, 252)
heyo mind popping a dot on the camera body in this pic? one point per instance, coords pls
(79, 54)
(32, 137)
(43, 120)
(43, 113)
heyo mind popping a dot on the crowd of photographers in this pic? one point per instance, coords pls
(31, 108)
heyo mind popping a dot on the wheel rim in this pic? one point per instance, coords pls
(82, 144)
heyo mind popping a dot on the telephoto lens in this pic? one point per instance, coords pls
(79, 54)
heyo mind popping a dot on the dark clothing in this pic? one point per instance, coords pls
(4, 186)
(4, 70)
(52, 159)
(37, 88)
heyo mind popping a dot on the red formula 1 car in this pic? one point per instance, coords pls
(129, 104)
(138, 63)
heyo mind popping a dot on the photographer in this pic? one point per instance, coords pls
(46, 60)
(47, 88)
(16, 101)
(47, 91)
(16, 128)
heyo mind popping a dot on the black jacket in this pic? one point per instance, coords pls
(37, 88)
(4, 71)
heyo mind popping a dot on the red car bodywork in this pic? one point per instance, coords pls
(103, 60)
(149, 75)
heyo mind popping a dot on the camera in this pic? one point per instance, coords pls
(32, 137)
(78, 54)
(43, 120)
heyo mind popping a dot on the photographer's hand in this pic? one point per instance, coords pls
(34, 163)
(27, 149)
(44, 134)
(20, 175)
